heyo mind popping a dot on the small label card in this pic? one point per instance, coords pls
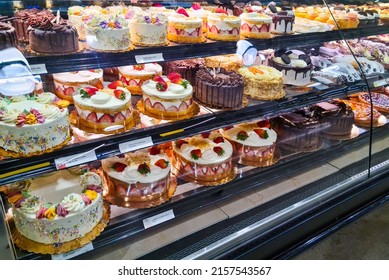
(147, 58)
(74, 253)
(73, 160)
(158, 219)
(37, 69)
(135, 144)
(380, 83)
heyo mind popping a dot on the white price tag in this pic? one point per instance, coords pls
(135, 144)
(380, 83)
(157, 219)
(73, 253)
(37, 69)
(73, 160)
(147, 58)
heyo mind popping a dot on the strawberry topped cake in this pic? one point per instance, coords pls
(68, 83)
(197, 11)
(168, 97)
(138, 177)
(99, 109)
(222, 26)
(206, 159)
(133, 76)
(184, 29)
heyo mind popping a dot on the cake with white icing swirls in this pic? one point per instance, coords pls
(142, 176)
(168, 97)
(133, 76)
(205, 158)
(32, 125)
(58, 208)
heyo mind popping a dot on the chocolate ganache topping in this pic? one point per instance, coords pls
(219, 77)
(189, 63)
(302, 118)
(44, 23)
(5, 26)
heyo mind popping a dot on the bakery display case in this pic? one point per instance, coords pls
(190, 145)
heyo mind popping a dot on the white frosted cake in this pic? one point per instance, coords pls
(31, 126)
(255, 25)
(58, 208)
(223, 27)
(148, 29)
(184, 29)
(75, 16)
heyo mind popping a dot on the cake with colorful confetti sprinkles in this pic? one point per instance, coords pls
(58, 208)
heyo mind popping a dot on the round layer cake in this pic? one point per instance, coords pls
(47, 36)
(148, 29)
(184, 29)
(168, 97)
(21, 21)
(282, 21)
(135, 75)
(186, 68)
(255, 25)
(142, 176)
(104, 109)
(7, 36)
(68, 83)
(223, 27)
(32, 125)
(254, 143)
(206, 158)
(58, 208)
(219, 88)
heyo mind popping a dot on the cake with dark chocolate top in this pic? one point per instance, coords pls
(282, 21)
(21, 24)
(219, 88)
(50, 36)
(187, 68)
(7, 36)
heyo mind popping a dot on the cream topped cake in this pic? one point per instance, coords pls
(75, 17)
(133, 76)
(184, 29)
(223, 27)
(197, 11)
(148, 29)
(205, 158)
(58, 208)
(32, 125)
(255, 25)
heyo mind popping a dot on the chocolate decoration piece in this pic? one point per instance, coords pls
(286, 8)
(288, 52)
(285, 58)
(306, 58)
(272, 8)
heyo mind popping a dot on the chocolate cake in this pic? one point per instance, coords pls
(21, 24)
(7, 36)
(50, 37)
(219, 88)
(186, 68)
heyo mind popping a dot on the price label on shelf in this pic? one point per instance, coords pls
(147, 58)
(74, 253)
(158, 219)
(135, 144)
(381, 83)
(37, 69)
(73, 160)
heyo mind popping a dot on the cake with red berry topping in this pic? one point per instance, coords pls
(197, 11)
(254, 143)
(103, 109)
(133, 76)
(68, 83)
(168, 97)
(255, 25)
(206, 159)
(223, 27)
(138, 177)
(184, 29)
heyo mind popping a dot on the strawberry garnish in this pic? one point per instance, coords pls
(205, 134)
(98, 84)
(155, 151)
(228, 127)
(248, 10)
(196, 6)
(179, 143)
(143, 168)
(162, 163)
(139, 67)
(182, 11)
(119, 94)
(242, 135)
(262, 133)
(219, 151)
(219, 10)
(88, 92)
(218, 140)
(118, 166)
(176, 78)
(264, 123)
(157, 78)
(161, 86)
(116, 84)
(196, 154)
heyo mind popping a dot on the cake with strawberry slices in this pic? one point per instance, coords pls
(99, 109)
(197, 11)
(68, 83)
(142, 176)
(133, 76)
(184, 29)
(254, 143)
(223, 27)
(205, 158)
(255, 25)
(168, 97)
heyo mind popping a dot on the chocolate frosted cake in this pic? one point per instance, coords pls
(221, 89)
(7, 36)
(21, 23)
(50, 37)
(186, 68)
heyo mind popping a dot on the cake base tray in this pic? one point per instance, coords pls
(276, 157)
(193, 112)
(353, 133)
(229, 178)
(58, 248)
(81, 49)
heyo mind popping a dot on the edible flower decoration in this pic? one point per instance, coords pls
(176, 78)
(41, 213)
(17, 197)
(61, 211)
(152, 20)
(88, 92)
(29, 117)
(86, 199)
(92, 195)
(110, 24)
(50, 213)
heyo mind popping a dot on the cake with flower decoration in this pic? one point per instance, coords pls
(66, 84)
(32, 125)
(148, 29)
(205, 158)
(254, 143)
(197, 11)
(75, 17)
(184, 29)
(255, 25)
(110, 34)
(102, 109)
(133, 76)
(168, 97)
(142, 176)
(58, 208)
(222, 26)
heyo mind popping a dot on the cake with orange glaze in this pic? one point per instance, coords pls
(68, 83)
(205, 158)
(184, 29)
(133, 76)
(223, 27)
(168, 97)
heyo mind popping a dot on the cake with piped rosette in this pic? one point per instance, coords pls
(206, 159)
